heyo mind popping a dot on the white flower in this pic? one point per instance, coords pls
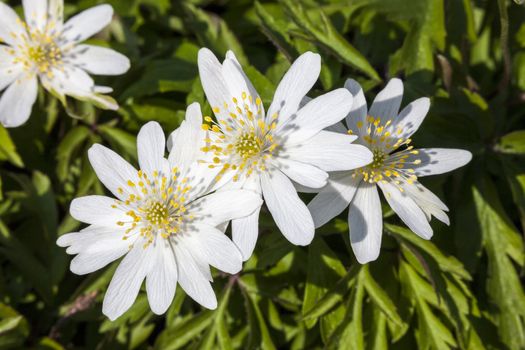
(395, 169)
(163, 221)
(46, 49)
(265, 152)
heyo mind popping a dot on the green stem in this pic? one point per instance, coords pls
(504, 38)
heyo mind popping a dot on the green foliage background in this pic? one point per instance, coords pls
(463, 289)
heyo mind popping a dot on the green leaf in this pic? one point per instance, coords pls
(501, 241)
(324, 271)
(512, 143)
(259, 334)
(446, 263)
(276, 32)
(350, 332)
(179, 335)
(212, 32)
(380, 297)
(163, 75)
(334, 295)
(432, 333)
(66, 149)
(8, 149)
(120, 140)
(218, 331)
(324, 33)
(426, 34)
(14, 328)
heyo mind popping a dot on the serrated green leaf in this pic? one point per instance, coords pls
(380, 297)
(325, 34)
(431, 332)
(213, 32)
(447, 263)
(334, 295)
(179, 335)
(324, 270)
(503, 283)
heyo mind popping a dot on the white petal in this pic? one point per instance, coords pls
(304, 189)
(87, 23)
(187, 141)
(71, 81)
(223, 206)
(289, 212)
(102, 89)
(213, 83)
(113, 171)
(435, 161)
(77, 242)
(161, 281)
(97, 210)
(99, 60)
(126, 282)
(238, 82)
(35, 13)
(410, 118)
(192, 280)
(11, 30)
(171, 137)
(387, 102)
(407, 210)
(150, 148)
(100, 247)
(245, 232)
(218, 250)
(55, 14)
(302, 173)
(333, 198)
(338, 128)
(9, 71)
(331, 152)
(17, 102)
(295, 84)
(318, 114)
(359, 110)
(366, 223)
(428, 202)
(75, 82)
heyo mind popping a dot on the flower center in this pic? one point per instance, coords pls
(248, 145)
(379, 158)
(157, 213)
(242, 139)
(155, 205)
(43, 51)
(387, 163)
(39, 51)
(45, 56)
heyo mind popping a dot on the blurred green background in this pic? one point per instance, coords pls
(462, 290)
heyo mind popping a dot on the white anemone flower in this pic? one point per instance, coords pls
(47, 49)
(163, 221)
(269, 152)
(395, 169)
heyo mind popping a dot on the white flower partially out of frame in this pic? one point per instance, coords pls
(47, 49)
(163, 221)
(269, 152)
(395, 169)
